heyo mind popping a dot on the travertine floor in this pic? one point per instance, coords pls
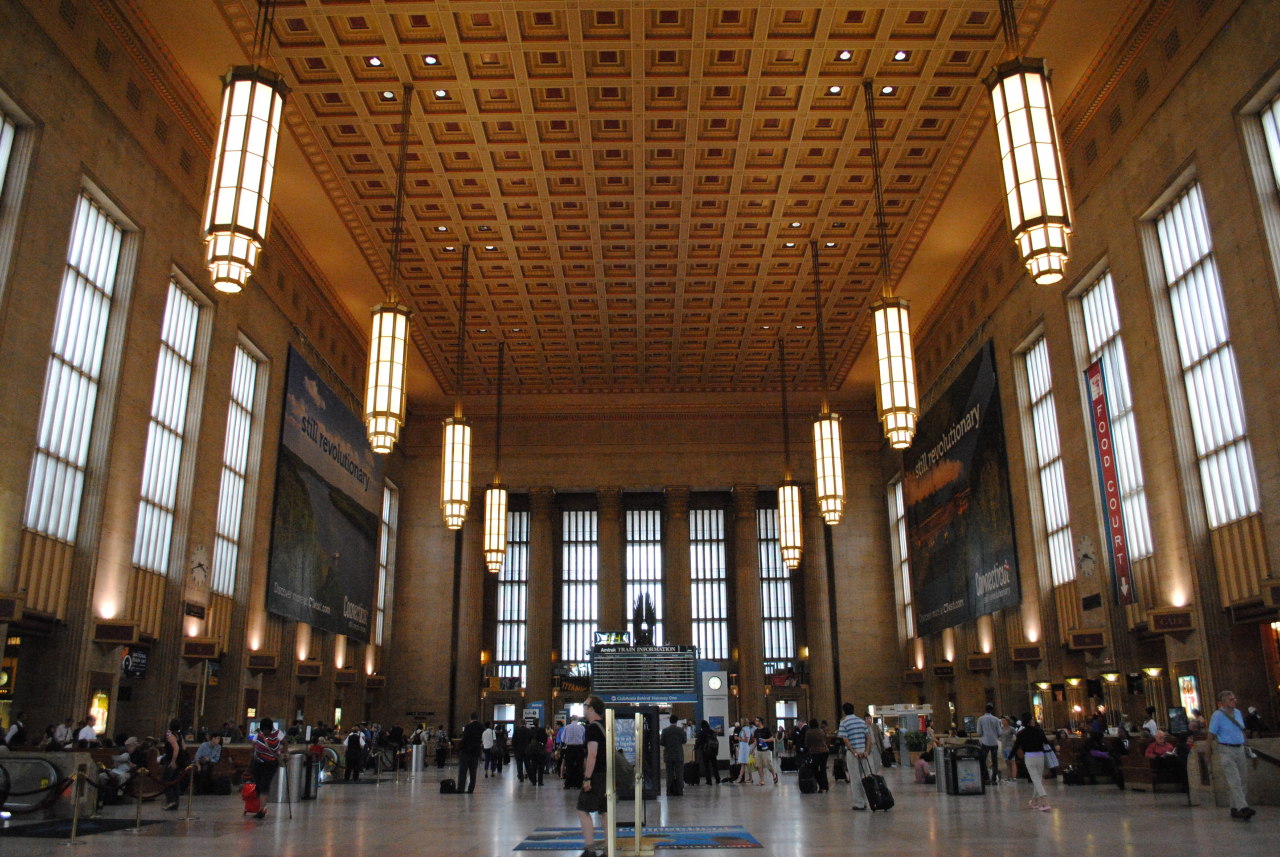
(396, 818)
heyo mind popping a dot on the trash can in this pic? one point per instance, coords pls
(310, 776)
(289, 778)
(418, 757)
(963, 770)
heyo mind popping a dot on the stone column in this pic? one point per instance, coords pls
(612, 605)
(677, 593)
(817, 608)
(746, 627)
(540, 638)
(470, 612)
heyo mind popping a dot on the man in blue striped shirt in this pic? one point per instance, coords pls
(1228, 731)
(853, 734)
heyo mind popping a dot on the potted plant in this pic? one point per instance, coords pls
(915, 743)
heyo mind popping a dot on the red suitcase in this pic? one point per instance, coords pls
(252, 802)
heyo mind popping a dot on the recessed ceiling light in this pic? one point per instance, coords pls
(442, 229)
(844, 56)
(448, 249)
(834, 90)
(441, 93)
(888, 90)
(795, 224)
(484, 330)
(374, 61)
(515, 330)
(490, 247)
(799, 327)
(764, 327)
(901, 56)
(388, 95)
(789, 244)
(829, 244)
(484, 229)
(431, 59)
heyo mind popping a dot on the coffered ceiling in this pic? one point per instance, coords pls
(638, 182)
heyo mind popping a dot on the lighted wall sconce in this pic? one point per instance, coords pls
(1075, 681)
(804, 653)
(1153, 672)
(1042, 685)
(1111, 678)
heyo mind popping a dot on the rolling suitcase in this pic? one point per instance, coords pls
(838, 770)
(877, 791)
(252, 800)
(692, 773)
(808, 782)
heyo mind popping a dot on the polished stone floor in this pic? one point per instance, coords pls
(403, 817)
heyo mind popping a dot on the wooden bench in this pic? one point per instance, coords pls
(1141, 774)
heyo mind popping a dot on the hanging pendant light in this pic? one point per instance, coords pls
(828, 449)
(495, 495)
(455, 467)
(1035, 184)
(239, 199)
(790, 519)
(384, 395)
(896, 393)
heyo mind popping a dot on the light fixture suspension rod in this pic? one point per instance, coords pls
(1009, 25)
(397, 227)
(868, 89)
(822, 342)
(262, 29)
(786, 412)
(497, 431)
(462, 334)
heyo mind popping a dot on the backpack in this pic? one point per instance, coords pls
(353, 742)
(448, 787)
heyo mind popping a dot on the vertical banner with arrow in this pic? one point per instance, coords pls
(1109, 482)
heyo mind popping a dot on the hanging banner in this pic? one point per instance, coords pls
(1109, 484)
(959, 512)
(324, 531)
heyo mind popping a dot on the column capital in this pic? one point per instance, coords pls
(744, 500)
(542, 502)
(677, 497)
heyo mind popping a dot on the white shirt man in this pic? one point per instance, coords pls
(87, 735)
(63, 733)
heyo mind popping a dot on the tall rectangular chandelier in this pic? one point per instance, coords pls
(239, 199)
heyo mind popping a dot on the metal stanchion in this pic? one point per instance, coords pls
(134, 781)
(77, 790)
(610, 792)
(637, 845)
(284, 782)
(191, 791)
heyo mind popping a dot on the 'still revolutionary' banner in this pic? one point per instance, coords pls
(959, 520)
(324, 530)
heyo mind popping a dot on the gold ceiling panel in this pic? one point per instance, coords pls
(638, 182)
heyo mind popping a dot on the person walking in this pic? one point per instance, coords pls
(1227, 729)
(1030, 743)
(853, 737)
(707, 749)
(353, 761)
(487, 739)
(535, 755)
(989, 739)
(469, 748)
(575, 752)
(816, 744)
(765, 742)
(746, 745)
(175, 759)
(673, 740)
(268, 749)
(595, 766)
(520, 743)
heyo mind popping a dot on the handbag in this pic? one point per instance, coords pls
(1050, 758)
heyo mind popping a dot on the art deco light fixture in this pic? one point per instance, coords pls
(1035, 184)
(455, 466)
(239, 199)
(384, 395)
(896, 392)
(828, 451)
(790, 517)
(495, 495)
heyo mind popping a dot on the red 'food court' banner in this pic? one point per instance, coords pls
(1104, 446)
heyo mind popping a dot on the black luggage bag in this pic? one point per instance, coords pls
(692, 773)
(808, 781)
(838, 770)
(877, 791)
